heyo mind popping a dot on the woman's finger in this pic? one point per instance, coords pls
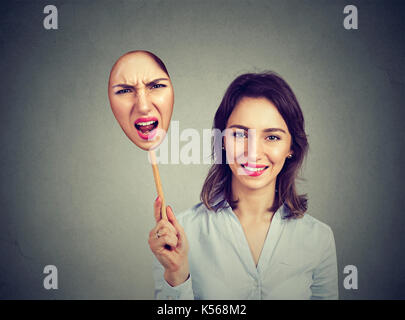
(172, 219)
(157, 207)
(165, 224)
(170, 240)
(163, 228)
(158, 242)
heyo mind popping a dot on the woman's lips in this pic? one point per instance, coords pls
(146, 127)
(254, 170)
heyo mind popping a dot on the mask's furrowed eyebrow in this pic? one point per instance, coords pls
(148, 84)
(159, 79)
(264, 130)
(122, 85)
(155, 82)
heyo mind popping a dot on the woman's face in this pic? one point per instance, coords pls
(256, 156)
(141, 98)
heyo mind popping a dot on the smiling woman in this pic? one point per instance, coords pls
(250, 236)
(265, 105)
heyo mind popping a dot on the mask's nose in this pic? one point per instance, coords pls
(142, 104)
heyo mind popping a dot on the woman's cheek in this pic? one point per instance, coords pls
(230, 158)
(278, 155)
(240, 148)
(233, 151)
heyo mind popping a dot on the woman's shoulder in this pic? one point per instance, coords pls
(307, 225)
(312, 222)
(313, 227)
(197, 212)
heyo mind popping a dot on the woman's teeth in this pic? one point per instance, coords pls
(253, 169)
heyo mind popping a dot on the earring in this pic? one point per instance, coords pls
(223, 148)
(289, 156)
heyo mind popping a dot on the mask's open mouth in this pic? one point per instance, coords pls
(145, 128)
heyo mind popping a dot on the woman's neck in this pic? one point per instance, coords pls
(253, 204)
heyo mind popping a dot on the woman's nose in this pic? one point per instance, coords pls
(254, 149)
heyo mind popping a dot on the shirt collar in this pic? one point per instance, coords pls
(220, 200)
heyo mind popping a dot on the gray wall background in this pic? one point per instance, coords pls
(76, 193)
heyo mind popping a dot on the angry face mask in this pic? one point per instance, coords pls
(141, 97)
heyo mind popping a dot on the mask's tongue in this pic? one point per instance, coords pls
(147, 128)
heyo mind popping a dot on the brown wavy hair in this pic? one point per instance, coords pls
(271, 86)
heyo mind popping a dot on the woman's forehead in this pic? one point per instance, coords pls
(258, 113)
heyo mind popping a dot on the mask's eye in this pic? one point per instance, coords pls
(158, 85)
(123, 91)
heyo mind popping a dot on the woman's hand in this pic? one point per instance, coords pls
(169, 244)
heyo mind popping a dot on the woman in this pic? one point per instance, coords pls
(250, 237)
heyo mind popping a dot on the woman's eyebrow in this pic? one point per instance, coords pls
(274, 130)
(264, 130)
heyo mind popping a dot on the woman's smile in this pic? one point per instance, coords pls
(253, 170)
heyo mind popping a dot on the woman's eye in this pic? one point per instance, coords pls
(123, 91)
(239, 134)
(273, 138)
(158, 85)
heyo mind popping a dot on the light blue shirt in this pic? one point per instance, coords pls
(298, 259)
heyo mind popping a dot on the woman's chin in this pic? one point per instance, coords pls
(250, 184)
(253, 182)
(256, 185)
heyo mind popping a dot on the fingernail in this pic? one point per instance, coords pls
(157, 198)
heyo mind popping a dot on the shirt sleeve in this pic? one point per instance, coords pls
(164, 291)
(325, 277)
